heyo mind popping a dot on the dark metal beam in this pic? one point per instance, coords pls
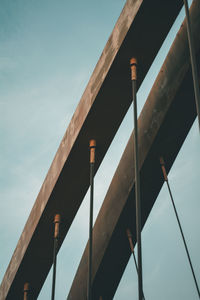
(164, 123)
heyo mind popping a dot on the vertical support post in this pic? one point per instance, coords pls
(55, 249)
(26, 290)
(193, 61)
(92, 145)
(133, 64)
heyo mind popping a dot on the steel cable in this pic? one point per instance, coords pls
(179, 223)
(133, 64)
(92, 161)
(55, 249)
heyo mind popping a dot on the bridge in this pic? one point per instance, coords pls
(163, 125)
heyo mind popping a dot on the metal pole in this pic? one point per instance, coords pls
(133, 63)
(55, 249)
(129, 235)
(26, 290)
(92, 161)
(193, 61)
(179, 223)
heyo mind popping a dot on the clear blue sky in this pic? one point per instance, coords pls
(48, 50)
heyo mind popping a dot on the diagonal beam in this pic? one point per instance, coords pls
(108, 88)
(164, 123)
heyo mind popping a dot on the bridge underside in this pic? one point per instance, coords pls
(99, 114)
(164, 123)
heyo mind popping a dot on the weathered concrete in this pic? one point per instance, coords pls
(163, 124)
(109, 87)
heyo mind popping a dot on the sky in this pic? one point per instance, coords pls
(48, 50)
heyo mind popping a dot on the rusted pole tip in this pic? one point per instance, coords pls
(133, 61)
(162, 162)
(133, 64)
(57, 218)
(26, 287)
(92, 151)
(92, 143)
(128, 232)
(129, 235)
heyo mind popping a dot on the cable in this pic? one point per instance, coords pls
(55, 249)
(133, 64)
(92, 161)
(179, 223)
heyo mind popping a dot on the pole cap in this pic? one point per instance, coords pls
(128, 232)
(92, 151)
(26, 287)
(57, 218)
(133, 61)
(162, 162)
(92, 143)
(133, 64)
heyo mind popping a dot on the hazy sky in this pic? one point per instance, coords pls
(48, 50)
